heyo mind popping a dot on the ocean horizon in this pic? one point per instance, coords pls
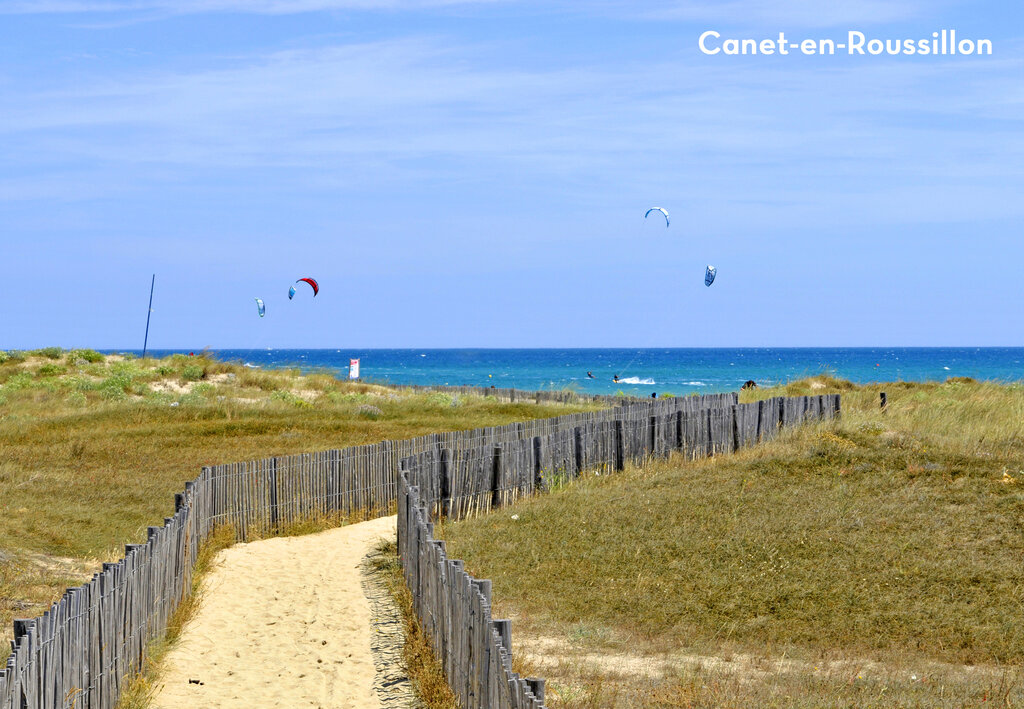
(640, 371)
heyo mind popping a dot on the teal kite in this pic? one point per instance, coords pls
(658, 209)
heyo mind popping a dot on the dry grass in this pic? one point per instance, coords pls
(873, 561)
(94, 448)
(425, 670)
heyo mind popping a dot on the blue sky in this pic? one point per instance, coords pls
(475, 173)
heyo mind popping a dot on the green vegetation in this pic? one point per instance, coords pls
(192, 373)
(871, 561)
(93, 456)
(48, 352)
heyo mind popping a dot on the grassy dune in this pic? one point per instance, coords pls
(873, 561)
(94, 447)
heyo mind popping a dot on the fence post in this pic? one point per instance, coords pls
(504, 628)
(577, 441)
(273, 494)
(484, 587)
(401, 503)
(620, 458)
(445, 481)
(537, 687)
(496, 479)
(537, 464)
(709, 441)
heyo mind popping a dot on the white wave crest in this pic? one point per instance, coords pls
(636, 380)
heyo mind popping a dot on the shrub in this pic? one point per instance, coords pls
(165, 370)
(14, 356)
(21, 380)
(46, 384)
(49, 352)
(116, 386)
(129, 368)
(159, 398)
(89, 356)
(83, 384)
(190, 399)
(367, 411)
(202, 389)
(872, 428)
(112, 392)
(288, 398)
(77, 398)
(336, 397)
(50, 369)
(4, 356)
(253, 378)
(439, 399)
(192, 373)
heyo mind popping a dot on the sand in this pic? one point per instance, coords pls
(283, 622)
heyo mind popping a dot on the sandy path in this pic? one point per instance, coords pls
(284, 622)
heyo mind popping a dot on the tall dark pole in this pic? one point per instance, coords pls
(148, 313)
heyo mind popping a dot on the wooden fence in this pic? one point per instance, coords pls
(455, 612)
(522, 395)
(79, 653)
(453, 607)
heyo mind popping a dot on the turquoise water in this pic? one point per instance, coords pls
(643, 371)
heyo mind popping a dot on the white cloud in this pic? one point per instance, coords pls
(784, 15)
(268, 7)
(808, 142)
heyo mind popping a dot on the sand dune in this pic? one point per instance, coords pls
(284, 622)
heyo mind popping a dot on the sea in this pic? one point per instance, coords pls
(641, 372)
